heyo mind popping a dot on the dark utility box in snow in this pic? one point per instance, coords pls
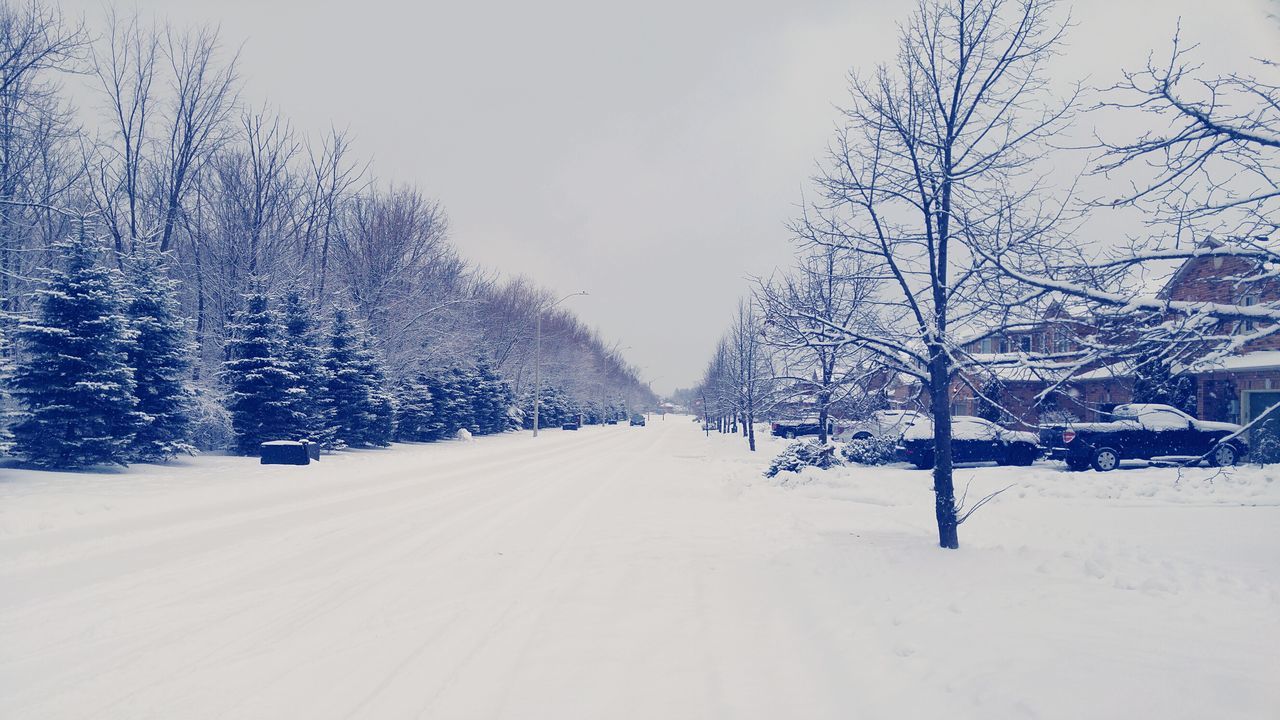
(289, 452)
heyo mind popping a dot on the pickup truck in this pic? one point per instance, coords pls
(1143, 431)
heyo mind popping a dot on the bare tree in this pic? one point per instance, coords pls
(808, 313)
(751, 370)
(1206, 177)
(936, 155)
(36, 175)
(202, 99)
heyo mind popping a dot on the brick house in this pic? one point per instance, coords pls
(1237, 388)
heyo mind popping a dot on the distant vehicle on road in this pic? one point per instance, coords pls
(792, 429)
(972, 440)
(637, 421)
(1143, 431)
(570, 426)
(881, 423)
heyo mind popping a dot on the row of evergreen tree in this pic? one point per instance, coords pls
(102, 374)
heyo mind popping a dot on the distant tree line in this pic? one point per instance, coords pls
(180, 269)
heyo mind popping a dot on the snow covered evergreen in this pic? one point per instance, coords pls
(382, 407)
(349, 398)
(302, 351)
(415, 421)
(492, 400)
(73, 378)
(161, 359)
(262, 387)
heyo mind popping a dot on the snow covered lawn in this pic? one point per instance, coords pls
(624, 572)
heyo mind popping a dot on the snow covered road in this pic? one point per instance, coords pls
(630, 573)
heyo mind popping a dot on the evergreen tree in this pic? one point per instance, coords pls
(492, 401)
(414, 417)
(382, 407)
(467, 385)
(348, 398)
(1154, 381)
(302, 352)
(6, 374)
(161, 358)
(989, 403)
(262, 388)
(450, 404)
(73, 380)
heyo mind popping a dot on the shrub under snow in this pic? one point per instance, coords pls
(871, 451)
(802, 454)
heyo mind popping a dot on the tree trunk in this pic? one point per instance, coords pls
(751, 430)
(824, 399)
(943, 488)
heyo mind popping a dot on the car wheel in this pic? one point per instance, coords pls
(924, 463)
(1022, 456)
(1224, 455)
(790, 435)
(1105, 459)
(862, 436)
(1078, 465)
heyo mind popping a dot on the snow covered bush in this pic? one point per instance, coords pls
(871, 451)
(802, 454)
(1265, 448)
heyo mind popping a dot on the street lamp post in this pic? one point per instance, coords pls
(537, 358)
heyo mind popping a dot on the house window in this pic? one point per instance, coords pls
(1249, 301)
(1025, 343)
(986, 345)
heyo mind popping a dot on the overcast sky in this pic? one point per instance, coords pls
(649, 152)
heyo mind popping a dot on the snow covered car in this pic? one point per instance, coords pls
(637, 421)
(972, 440)
(792, 429)
(1142, 432)
(881, 423)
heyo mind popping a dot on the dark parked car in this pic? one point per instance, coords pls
(791, 429)
(1143, 431)
(637, 421)
(569, 426)
(972, 440)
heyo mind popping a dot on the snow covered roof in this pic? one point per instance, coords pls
(1248, 361)
(1258, 360)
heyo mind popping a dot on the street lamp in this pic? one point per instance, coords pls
(537, 358)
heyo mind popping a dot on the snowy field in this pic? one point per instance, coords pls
(625, 572)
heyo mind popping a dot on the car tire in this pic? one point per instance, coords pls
(1224, 455)
(1078, 465)
(1021, 455)
(790, 435)
(1105, 459)
(862, 436)
(924, 463)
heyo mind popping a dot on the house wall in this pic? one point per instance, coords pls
(1215, 279)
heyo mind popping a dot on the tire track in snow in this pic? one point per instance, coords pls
(351, 526)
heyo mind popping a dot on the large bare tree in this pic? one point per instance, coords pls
(936, 157)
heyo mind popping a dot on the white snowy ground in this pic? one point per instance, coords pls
(625, 572)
